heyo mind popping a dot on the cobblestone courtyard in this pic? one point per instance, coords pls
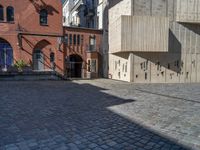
(99, 114)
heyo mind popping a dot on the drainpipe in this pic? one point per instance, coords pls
(5, 60)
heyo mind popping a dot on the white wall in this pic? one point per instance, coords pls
(67, 6)
(119, 67)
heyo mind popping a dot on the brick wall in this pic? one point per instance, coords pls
(82, 48)
(25, 32)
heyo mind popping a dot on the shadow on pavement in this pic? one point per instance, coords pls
(66, 115)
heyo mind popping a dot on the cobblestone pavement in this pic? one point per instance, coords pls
(98, 115)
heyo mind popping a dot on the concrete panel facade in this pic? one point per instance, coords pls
(139, 34)
(188, 11)
(181, 63)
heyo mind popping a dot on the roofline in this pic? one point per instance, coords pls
(83, 28)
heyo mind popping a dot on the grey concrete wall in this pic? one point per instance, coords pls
(182, 61)
(188, 11)
(139, 34)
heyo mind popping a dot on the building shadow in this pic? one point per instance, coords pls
(40, 4)
(105, 42)
(192, 27)
(170, 59)
(112, 3)
(70, 115)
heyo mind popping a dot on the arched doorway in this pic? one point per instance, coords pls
(38, 60)
(39, 52)
(74, 66)
(6, 55)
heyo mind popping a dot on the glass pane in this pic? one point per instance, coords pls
(1, 14)
(74, 39)
(6, 54)
(10, 13)
(70, 39)
(66, 39)
(43, 17)
(93, 66)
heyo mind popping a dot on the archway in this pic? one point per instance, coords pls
(6, 55)
(38, 55)
(38, 60)
(74, 64)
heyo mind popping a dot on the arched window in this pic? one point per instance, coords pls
(52, 57)
(1, 13)
(43, 17)
(10, 13)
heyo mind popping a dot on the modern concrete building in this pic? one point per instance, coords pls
(154, 41)
(80, 13)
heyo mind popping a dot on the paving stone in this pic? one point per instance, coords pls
(98, 114)
(11, 147)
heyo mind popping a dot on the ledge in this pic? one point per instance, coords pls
(8, 22)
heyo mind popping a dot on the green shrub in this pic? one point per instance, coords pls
(20, 64)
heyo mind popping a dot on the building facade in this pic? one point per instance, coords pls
(80, 13)
(31, 31)
(154, 41)
(82, 51)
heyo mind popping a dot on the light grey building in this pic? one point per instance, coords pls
(80, 13)
(154, 41)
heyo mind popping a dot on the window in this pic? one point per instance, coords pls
(82, 38)
(187, 75)
(92, 65)
(70, 39)
(74, 39)
(158, 66)
(1, 13)
(78, 39)
(66, 39)
(52, 57)
(145, 75)
(43, 17)
(141, 65)
(92, 43)
(126, 67)
(89, 64)
(10, 13)
(147, 65)
(115, 65)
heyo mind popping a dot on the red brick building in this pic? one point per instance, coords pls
(32, 31)
(82, 47)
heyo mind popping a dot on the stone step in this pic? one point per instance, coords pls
(30, 76)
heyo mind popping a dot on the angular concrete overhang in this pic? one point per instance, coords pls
(139, 34)
(188, 11)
